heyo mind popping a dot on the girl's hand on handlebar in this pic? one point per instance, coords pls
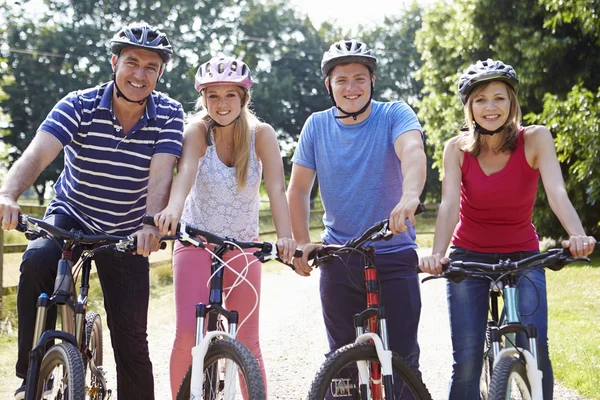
(286, 247)
(301, 264)
(166, 221)
(580, 245)
(433, 264)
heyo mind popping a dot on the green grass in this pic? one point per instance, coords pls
(574, 323)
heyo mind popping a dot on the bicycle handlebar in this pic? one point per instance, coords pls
(185, 233)
(41, 228)
(555, 259)
(379, 231)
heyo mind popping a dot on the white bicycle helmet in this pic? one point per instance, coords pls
(485, 71)
(345, 52)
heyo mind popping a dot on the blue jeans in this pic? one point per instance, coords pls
(342, 287)
(468, 304)
(125, 283)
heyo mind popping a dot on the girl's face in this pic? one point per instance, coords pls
(223, 103)
(491, 106)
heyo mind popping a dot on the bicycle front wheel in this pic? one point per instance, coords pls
(338, 377)
(93, 338)
(61, 374)
(221, 354)
(509, 380)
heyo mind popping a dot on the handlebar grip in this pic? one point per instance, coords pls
(298, 253)
(420, 209)
(418, 270)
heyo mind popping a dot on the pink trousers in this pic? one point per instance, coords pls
(191, 271)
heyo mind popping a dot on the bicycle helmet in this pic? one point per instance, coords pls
(143, 36)
(223, 71)
(345, 52)
(484, 71)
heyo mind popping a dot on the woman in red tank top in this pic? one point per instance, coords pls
(489, 187)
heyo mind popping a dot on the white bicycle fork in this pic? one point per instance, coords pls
(198, 355)
(533, 373)
(384, 356)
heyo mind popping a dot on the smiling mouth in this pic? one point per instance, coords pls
(136, 85)
(223, 112)
(352, 97)
(495, 116)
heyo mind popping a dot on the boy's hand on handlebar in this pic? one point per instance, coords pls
(166, 221)
(286, 247)
(433, 264)
(9, 213)
(404, 210)
(148, 240)
(301, 264)
(580, 245)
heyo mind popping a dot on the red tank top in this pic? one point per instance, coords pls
(495, 210)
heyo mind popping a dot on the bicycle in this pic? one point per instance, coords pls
(509, 372)
(217, 356)
(367, 368)
(71, 369)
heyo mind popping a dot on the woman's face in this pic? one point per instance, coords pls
(491, 106)
(223, 103)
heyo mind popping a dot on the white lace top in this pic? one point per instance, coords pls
(214, 203)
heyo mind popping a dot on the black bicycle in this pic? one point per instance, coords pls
(509, 372)
(72, 368)
(222, 367)
(367, 368)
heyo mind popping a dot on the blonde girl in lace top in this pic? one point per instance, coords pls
(217, 189)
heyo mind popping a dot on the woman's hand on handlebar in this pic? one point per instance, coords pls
(166, 221)
(433, 264)
(301, 264)
(286, 247)
(579, 245)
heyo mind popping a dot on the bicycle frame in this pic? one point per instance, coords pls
(214, 309)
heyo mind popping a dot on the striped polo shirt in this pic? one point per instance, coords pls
(105, 179)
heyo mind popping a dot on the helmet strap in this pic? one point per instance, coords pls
(354, 115)
(484, 131)
(120, 94)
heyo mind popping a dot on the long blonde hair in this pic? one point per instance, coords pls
(242, 133)
(471, 142)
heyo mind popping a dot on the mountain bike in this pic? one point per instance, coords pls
(217, 357)
(367, 368)
(71, 369)
(509, 372)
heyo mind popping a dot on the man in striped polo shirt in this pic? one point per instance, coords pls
(121, 140)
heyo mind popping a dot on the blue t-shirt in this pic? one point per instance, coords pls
(105, 180)
(359, 173)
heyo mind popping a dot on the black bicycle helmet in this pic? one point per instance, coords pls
(345, 52)
(484, 71)
(143, 36)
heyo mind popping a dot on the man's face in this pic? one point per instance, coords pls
(137, 72)
(350, 85)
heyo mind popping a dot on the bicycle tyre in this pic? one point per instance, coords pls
(488, 365)
(339, 362)
(93, 342)
(61, 374)
(248, 371)
(510, 374)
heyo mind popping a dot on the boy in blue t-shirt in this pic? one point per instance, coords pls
(371, 165)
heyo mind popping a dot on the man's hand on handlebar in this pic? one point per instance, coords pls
(148, 240)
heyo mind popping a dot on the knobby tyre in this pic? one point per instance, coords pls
(337, 377)
(509, 381)
(249, 377)
(93, 340)
(61, 374)
(488, 364)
